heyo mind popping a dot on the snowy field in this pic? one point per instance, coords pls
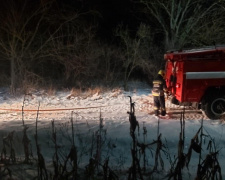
(114, 128)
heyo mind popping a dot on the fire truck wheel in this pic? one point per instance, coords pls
(215, 107)
(203, 106)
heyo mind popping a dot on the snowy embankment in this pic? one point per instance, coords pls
(116, 145)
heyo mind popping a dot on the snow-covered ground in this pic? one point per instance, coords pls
(116, 141)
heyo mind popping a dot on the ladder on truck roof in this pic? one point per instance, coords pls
(210, 52)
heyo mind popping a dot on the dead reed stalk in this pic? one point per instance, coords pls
(42, 171)
(135, 168)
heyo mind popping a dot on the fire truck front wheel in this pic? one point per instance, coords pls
(215, 107)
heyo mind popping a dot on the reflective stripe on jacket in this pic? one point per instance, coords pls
(159, 86)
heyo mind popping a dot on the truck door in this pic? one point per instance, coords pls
(174, 78)
(178, 82)
(171, 76)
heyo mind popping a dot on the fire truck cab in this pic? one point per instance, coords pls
(197, 76)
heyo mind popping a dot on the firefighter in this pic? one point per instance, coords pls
(159, 87)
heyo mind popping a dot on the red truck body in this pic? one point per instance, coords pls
(191, 73)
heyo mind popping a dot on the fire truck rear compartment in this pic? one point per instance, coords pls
(197, 78)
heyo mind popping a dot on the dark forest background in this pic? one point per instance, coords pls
(81, 43)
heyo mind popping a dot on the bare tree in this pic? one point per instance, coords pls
(138, 52)
(182, 21)
(110, 62)
(26, 34)
(18, 30)
(74, 48)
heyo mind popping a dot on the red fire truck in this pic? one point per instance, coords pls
(197, 77)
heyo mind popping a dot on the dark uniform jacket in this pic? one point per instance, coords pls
(159, 86)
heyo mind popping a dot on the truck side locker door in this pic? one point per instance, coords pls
(171, 76)
(168, 69)
(179, 80)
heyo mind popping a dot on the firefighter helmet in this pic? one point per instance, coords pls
(162, 73)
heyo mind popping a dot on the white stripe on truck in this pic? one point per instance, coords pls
(205, 75)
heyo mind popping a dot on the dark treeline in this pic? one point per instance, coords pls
(78, 43)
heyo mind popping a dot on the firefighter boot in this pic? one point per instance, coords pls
(163, 112)
(156, 112)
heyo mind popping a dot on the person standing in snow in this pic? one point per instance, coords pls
(159, 87)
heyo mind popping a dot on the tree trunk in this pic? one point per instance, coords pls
(13, 77)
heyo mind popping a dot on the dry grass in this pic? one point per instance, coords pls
(116, 92)
(84, 93)
(92, 91)
(51, 91)
(74, 93)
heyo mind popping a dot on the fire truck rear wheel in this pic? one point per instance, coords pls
(215, 107)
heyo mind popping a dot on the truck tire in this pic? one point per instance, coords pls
(215, 107)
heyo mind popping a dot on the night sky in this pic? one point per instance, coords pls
(109, 13)
(112, 13)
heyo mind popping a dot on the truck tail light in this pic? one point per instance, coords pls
(177, 85)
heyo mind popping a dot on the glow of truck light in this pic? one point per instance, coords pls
(177, 85)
